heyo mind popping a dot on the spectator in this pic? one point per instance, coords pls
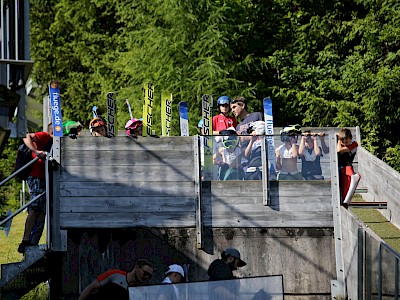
(98, 127)
(222, 269)
(348, 179)
(133, 128)
(239, 110)
(71, 128)
(222, 121)
(287, 153)
(253, 168)
(114, 284)
(231, 154)
(169, 291)
(39, 143)
(310, 154)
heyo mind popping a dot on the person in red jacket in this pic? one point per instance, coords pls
(223, 121)
(39, 143)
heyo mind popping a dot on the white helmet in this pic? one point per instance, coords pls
(258, 127)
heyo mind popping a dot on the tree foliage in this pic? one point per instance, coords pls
(324, 63)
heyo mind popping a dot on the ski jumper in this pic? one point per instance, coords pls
(345, 163)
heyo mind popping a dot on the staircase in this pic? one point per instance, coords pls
(20, 277)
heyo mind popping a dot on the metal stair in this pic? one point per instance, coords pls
(20, 277)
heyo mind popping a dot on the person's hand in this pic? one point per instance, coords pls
(40, 153)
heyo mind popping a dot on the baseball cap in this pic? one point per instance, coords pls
(234, 253)
(175, 269)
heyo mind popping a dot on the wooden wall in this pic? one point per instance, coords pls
(152, 182)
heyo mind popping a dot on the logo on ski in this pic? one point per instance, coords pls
(111, 114)
(166, 113)
(269, 131)
(207, 138)
(184, 118)
(148, 93)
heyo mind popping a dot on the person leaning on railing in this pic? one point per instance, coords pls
(39, 143)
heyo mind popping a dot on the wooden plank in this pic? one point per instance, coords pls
(132, 188)
(95, 144)
(126, 204)
(121, 174)
(113, 157)
(269, 219)
(131, 220)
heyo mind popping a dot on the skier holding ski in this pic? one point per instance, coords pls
(348, 179)
(98, 127)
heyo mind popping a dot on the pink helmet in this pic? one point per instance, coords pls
(132, 124)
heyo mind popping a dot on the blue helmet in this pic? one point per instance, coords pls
(223, 100)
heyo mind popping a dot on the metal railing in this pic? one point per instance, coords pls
(47, 193)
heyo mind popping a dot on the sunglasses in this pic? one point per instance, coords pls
(98, 124)
(236, 101)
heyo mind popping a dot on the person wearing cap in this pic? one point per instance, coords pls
(169, 291)
(223, 121)
(222, 269)
(113, 284)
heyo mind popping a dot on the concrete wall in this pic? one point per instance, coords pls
(305, 257)
(383, 184)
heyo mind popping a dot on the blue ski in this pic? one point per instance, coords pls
(269, 131)
(184, 118)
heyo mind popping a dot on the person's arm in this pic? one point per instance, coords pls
(295, 149)
(324, 146)
(341, 148)
(278, 159)
(317, 149)
(302, 145)
(89, 289)
(247, 151)
(29, 142)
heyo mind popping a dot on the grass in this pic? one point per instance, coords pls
(9, 253)
(378, 224)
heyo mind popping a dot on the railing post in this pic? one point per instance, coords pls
(197, 185)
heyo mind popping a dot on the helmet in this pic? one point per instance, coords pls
(257, 126)
(229, 139)
(71, 127)
(291, 130)
(132, 124)
(223, 100)
(200, 124)
(96, 122)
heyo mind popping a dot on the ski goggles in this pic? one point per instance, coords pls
(97, 123)
(237, 100)
(230, 143)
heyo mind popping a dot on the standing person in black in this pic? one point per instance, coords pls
(222, 269)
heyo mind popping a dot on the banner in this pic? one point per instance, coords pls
(55, 107)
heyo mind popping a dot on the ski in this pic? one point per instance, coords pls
(95, 112)
(129, 108)
(166, 113)
(148, 94)
(269, 131)
(184, 118)
(111, 114)
(207, 103)
(55, 103)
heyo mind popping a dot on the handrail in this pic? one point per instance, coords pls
(18, 171)
(48, 158)
(21, 209)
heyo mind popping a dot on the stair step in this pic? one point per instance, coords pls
(377, 205)
(361, 190)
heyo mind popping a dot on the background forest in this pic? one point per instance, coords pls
(324, 63)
